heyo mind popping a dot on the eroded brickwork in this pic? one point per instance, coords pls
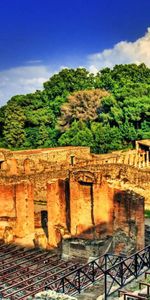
(50, 195)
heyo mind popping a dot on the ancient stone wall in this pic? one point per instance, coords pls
(128, 221)
(118, 228)
(91, 205)
(78, 190)
(56, 205)
(17, 209)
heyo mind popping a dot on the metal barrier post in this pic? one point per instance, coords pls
(106, 255)
(149, 256)
(105, 284)
(79, 284)
(121, 272)
(93, 272)
(136, 266)
(63, 284)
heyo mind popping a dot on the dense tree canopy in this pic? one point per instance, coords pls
(107, 111)
(82, 105)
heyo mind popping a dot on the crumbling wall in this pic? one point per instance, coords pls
(56, 207)
(16, 209)
(7, 207)
(91, 205)
(128, 225)
(119, 226)
(79, 190)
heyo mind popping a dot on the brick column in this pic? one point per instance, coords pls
(24, 209)
(103, 208)
(140, 222)
(56, 206)
(80, 206)
(7, 206)
(147, 158)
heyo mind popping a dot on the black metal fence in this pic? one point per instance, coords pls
(76, 281)
(126, 270)
(67, 277)
(117, 271)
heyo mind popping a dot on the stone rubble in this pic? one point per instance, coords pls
(51, 295)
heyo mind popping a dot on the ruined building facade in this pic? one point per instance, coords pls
(69, 198)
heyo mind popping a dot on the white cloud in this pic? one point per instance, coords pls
(27, 79)
(22, 80)
(34, 61)
(123, 52)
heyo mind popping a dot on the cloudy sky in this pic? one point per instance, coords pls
(39, 37)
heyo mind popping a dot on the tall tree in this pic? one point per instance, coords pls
(69, 80)
(14, 133)
(77, 135)
(82, 105)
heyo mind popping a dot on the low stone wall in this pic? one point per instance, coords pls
(85, 249)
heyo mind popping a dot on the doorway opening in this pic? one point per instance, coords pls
(44, 221)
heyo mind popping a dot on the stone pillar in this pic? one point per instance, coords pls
(147, 158)
(135, 160)
(12, 166)
(24, 209)
(56, 206)
(140, 221)
(7, 206)
(103, 208)
(143, 159)
(132, 159)
(139, 161)
(80, 206)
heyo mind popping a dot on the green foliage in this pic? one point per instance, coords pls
(106, 138)
(107, 111)
(14, 134)
(144, 131)
(68, 81)
(128, 131)
(77, 135)
(147, 213)
(81, 106)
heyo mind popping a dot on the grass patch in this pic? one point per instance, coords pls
(147, 213)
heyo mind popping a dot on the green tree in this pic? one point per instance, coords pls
(106, 138)
(81, 106)
(77, 135)
(14, 133)
(42, 136)
(68, 80)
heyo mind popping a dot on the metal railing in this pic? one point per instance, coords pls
(76, 281)
(116, 270)
(70, 278)
(126, 270)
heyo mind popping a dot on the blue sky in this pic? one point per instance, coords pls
(39, 37)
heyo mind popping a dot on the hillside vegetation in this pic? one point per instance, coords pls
(107, 111)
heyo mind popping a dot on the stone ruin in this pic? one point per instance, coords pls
(70, 199)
